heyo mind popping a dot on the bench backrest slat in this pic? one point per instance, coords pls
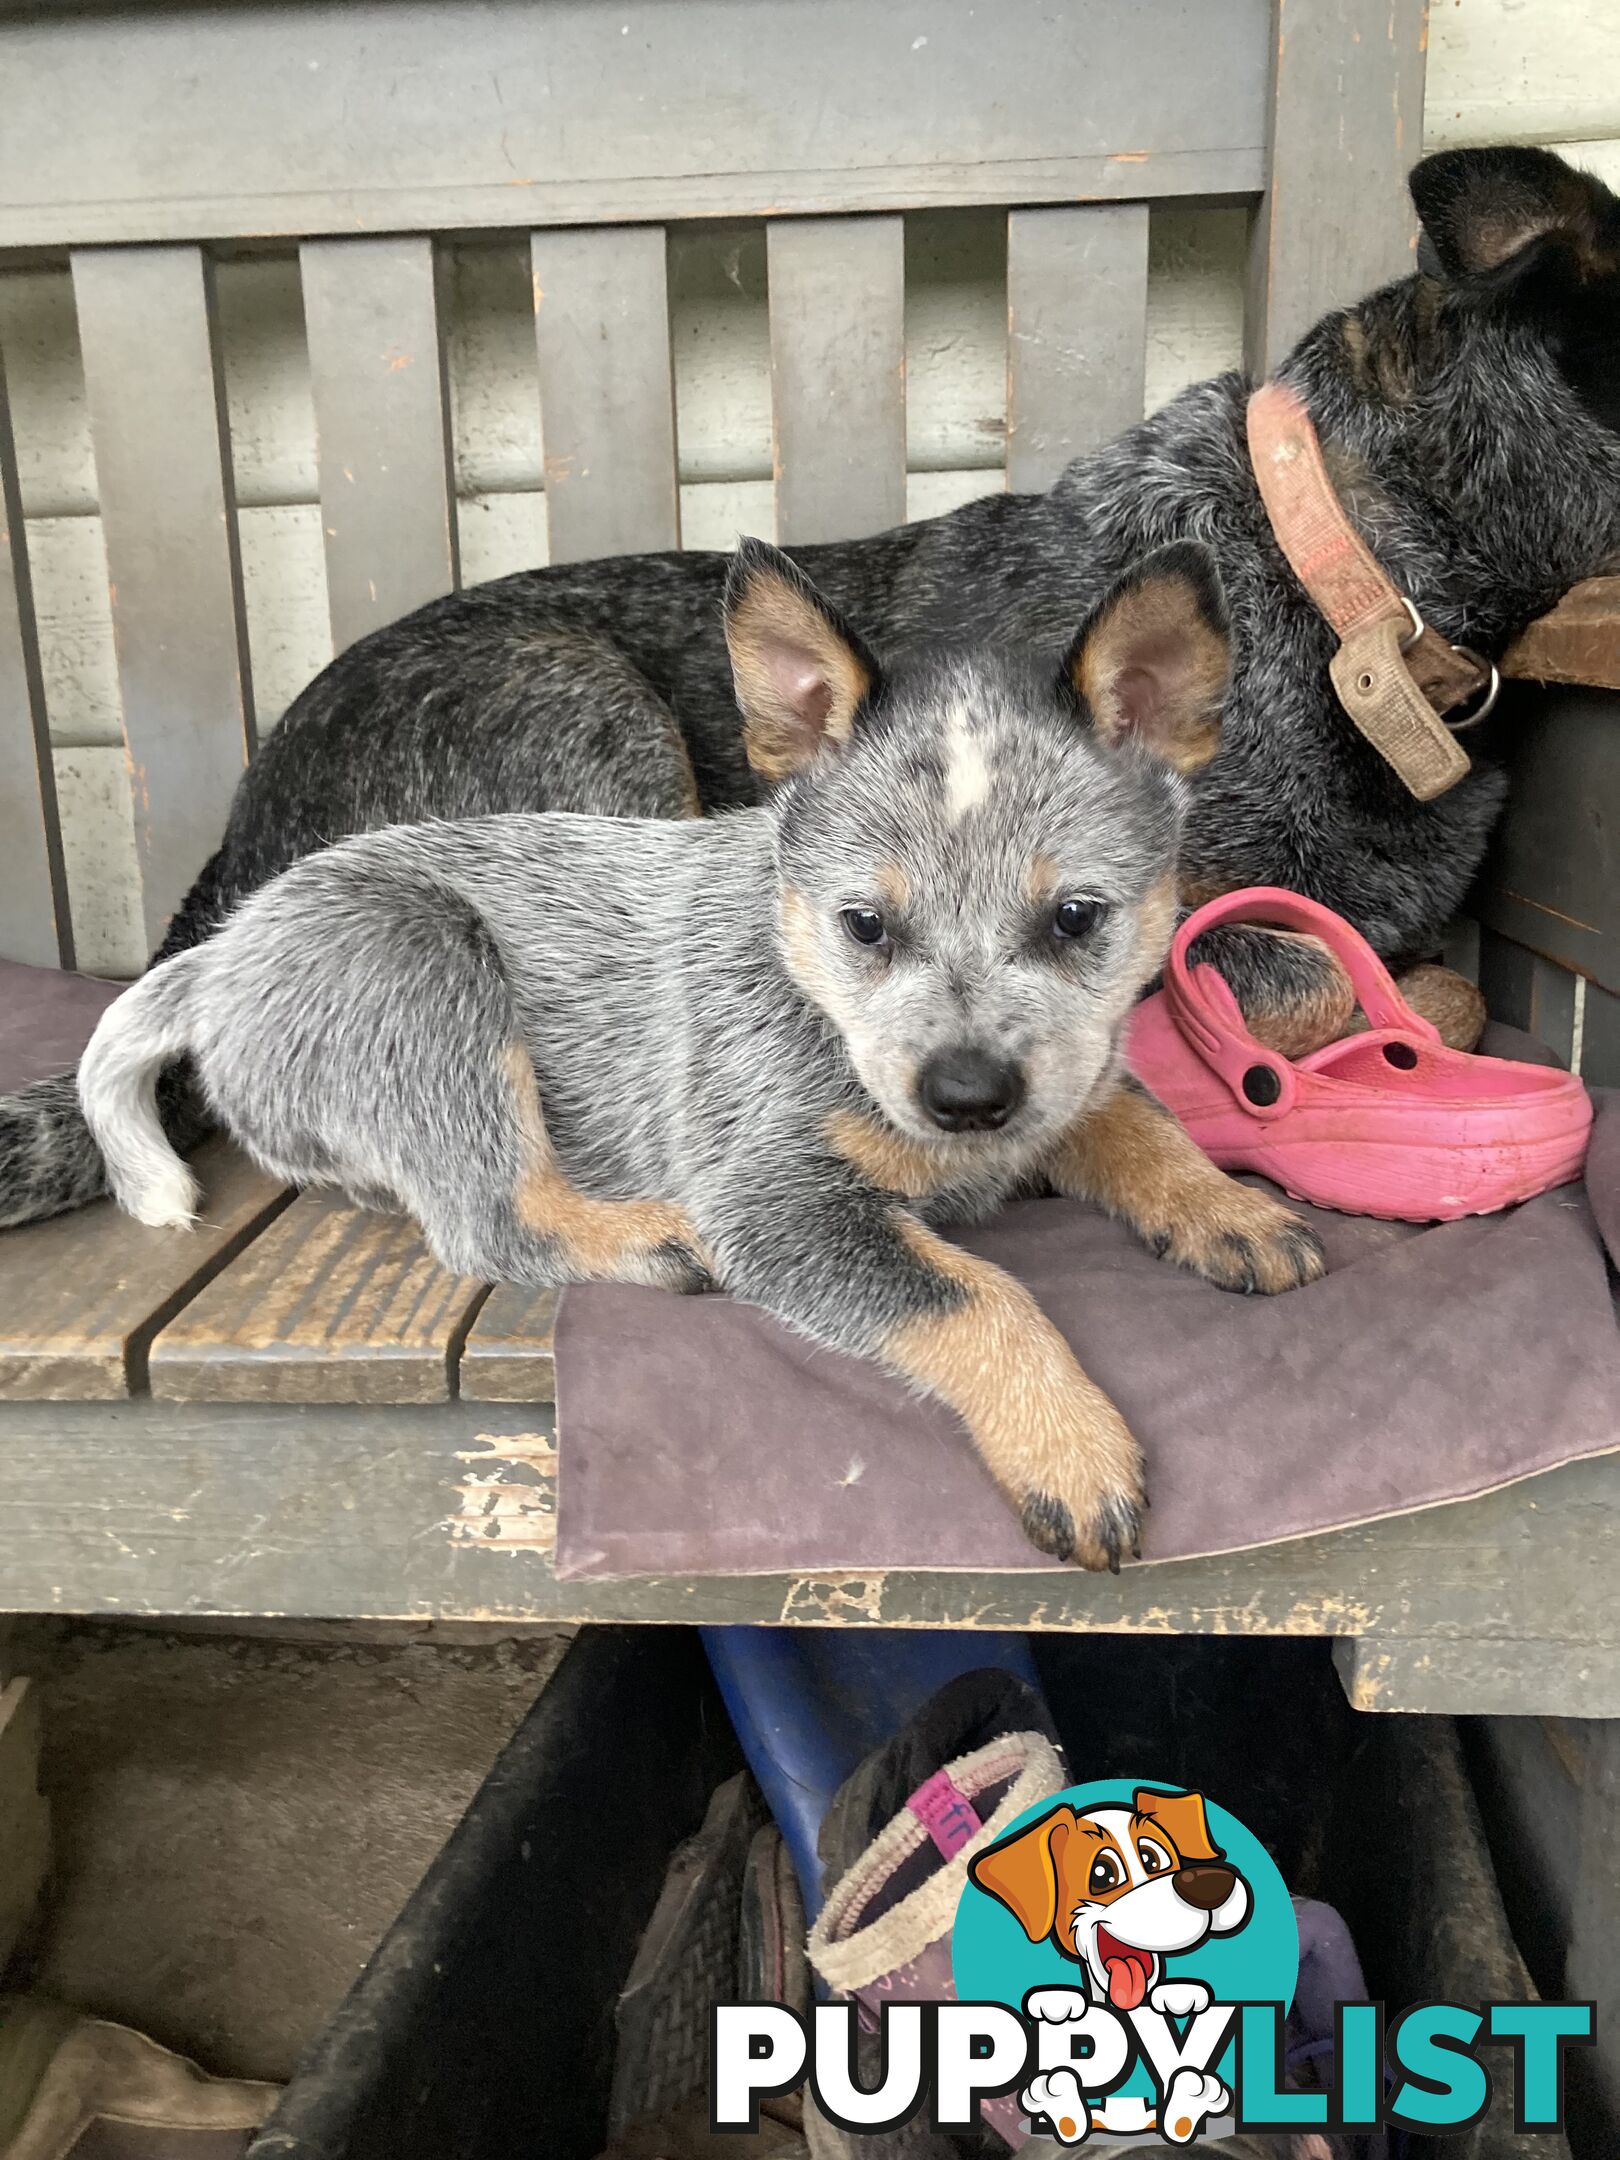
(382, 429)
(156, 399)
(364, 132)
(607, 390)
(34, 922)
(1076, 334)
(838, 375)
(1334, 220)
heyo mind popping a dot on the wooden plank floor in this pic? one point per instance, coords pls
(82, 1297)
(510, 1352)
(271, 1298)
(331, 1304)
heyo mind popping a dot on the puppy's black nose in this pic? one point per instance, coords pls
(969, 1091)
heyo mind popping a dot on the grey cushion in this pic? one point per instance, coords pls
(1432, 1363)
(46, 1018)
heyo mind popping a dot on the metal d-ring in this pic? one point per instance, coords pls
(1493, 689)
(1492, 692)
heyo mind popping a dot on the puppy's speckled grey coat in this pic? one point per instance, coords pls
(1471, 414)
(739, 1025)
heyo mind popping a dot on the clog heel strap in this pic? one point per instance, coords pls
(1259, 1079)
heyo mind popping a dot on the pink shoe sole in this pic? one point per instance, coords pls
(1389, 1123)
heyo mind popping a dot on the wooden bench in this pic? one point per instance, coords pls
(295, 1410)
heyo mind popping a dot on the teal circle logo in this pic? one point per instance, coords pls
(1121, 1889)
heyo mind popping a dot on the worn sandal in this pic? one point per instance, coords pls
(1388, 1123)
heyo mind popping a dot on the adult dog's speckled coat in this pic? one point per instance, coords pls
(1471, 414)
(773, 1048)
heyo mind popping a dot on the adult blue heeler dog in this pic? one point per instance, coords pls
(1470, 414)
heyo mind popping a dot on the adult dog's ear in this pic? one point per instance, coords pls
(1023, 1872)
(1510, 220)
(1182, 1818)
(801, 674)
(1153, 662)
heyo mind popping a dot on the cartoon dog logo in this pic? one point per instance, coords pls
(1120, 1890)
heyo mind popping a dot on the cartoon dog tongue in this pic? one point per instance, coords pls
(1128, 1971)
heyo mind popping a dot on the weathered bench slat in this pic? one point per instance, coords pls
(1551, 876)
(1578, 641)
(1076, 334)
(1526, 991)
(366, 115)
(382, 429)
(510, 1352)
(400, 1513)
(838, 375)
(607, 391)
(82, 1296)
(156, 398)
(34, 922)
(1346, 121)
(332, 1305)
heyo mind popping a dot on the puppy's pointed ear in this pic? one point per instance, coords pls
(1153, 662)
(1023, 1872)
(801, 674)
(1182, 1818)
(1498, 218)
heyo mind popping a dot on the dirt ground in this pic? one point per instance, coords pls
(238, 1819)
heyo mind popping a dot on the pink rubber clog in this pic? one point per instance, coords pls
(1387, 1123)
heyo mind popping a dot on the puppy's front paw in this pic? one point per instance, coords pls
(1180, 1998)
(1055, 2005)
(1192, 2097)
(1242, 1240)
(1088, 1508)
(1057, 2098)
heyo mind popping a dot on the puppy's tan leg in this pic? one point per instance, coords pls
(641, 1241)
(1050, 1437)
(1131, 1157)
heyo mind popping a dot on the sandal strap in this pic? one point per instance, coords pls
(1207, 1014)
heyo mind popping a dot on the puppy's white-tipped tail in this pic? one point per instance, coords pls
(135, 1038)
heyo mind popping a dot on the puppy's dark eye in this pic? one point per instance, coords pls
(1154, 1858)
(1105, 1875)
(1077, 918)
(865, 925)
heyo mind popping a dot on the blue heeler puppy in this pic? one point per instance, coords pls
(775, 1049)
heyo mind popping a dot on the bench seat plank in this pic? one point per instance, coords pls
(400, 1513)
(333, 1305)
(510, 1355)
(81, 1297)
